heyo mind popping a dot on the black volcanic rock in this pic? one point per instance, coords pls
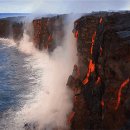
(48, 32)
(4, 28)
(107, 88)
(11, 27)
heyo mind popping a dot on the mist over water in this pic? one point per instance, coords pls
(49, 100)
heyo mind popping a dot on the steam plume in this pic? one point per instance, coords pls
(53, 103)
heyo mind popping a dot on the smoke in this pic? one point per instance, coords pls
(53, 101)
(26, 46)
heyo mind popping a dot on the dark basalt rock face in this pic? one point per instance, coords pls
(17, 29)
(48, 32)
(104, 96)
(11, 28)
(4, 28)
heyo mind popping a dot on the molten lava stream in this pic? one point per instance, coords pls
(76, 34)
(91, 66)
(91, 69)
(119, 92)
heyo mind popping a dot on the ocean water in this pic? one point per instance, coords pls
(18, 83)
(5, 15)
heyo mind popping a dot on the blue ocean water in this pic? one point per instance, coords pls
(18, 83)
(5, 15)
(12, 77)
(11, 72)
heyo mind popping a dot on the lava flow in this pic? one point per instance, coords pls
(119, 92)
(91, 69)
(101, 22)
(76, 34)
(91, 66)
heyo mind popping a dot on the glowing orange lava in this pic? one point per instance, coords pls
(119, 92)
(91, 66)
(91, 69)
(76, 34)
